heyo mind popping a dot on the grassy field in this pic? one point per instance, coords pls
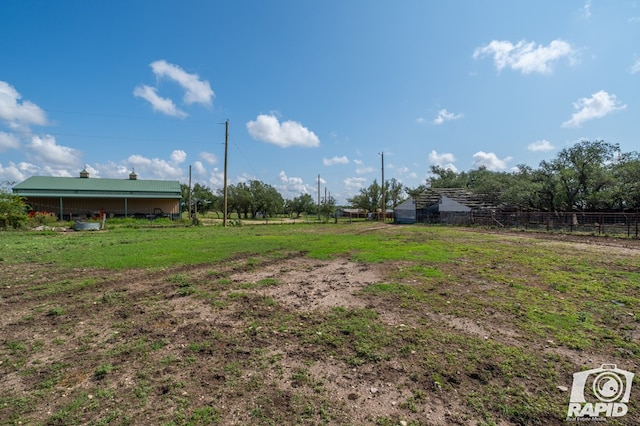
(359, 324)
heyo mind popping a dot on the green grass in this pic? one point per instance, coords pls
(122, 248)
(181, 343)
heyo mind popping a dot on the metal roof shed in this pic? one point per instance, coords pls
(80, 197)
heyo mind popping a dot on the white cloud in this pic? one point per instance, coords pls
(526, 57)
(541, 146)
(199, 168)
(8, 141)
(18, 114)
(361, 168)
(444, 115)
(209, 157)
(490, 161)
(635, 68)
(16, 173)
(153, 168)
(291, 187)
(196, 90)
(158, 103)
(110, 170)
(216, 178)
(46, 150)
(421, 120)
(444, 160)
(335, 160)
(364, 170)
(586, 9)
(354, 183)
(178, 156)
(445, 157)
(599, 105)
(267, 128)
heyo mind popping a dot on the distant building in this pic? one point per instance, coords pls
(81, 197)
(405, 212)
(352, 213)
(441, 205)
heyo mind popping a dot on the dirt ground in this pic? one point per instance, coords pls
(146, 347)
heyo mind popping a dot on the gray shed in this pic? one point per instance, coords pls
(405, 212)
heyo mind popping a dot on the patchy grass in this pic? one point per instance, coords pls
(194, 326)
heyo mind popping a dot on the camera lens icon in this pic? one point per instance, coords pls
(608, 386)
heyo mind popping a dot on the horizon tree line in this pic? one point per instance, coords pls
(588, 176)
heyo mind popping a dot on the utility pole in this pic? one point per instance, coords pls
(226, 152)
(383, 212)
(318, 198)
(190, 217)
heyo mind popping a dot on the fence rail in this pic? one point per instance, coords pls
(598, 223)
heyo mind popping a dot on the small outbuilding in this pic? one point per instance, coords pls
(440, 205)
(351, 213)
(405, 212)
(69, 197)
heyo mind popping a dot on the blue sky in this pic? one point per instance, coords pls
(311, 87)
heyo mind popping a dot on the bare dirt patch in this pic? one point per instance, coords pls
(270, 341)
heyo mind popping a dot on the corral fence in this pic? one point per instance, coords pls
(597, 223)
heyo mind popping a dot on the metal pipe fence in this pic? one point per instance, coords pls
(596, 223)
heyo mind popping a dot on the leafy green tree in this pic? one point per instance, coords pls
(239, 199)
(521, 190)
(489, 184)
(302, 204)
(584, 173)
(626, 175)
(415, 192)
(327, 207)
(265, 199)
(368, 199)
(204, 199)
(13, 210)
(394, 192)
(590, 175)
(446, 178)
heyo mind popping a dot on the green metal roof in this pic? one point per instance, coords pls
(49, 186)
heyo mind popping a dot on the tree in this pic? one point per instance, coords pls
(302, 204)
(204, 199)
(394, 191)
(328, 207)
(584, 173)
(265, 199)
(13, 210)
(488, 184)
(446, 178)
(368, 199)
(521, 190)
(239, 199)
(415, 192)
(626, 174)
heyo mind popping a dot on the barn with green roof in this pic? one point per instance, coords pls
(80, 197)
